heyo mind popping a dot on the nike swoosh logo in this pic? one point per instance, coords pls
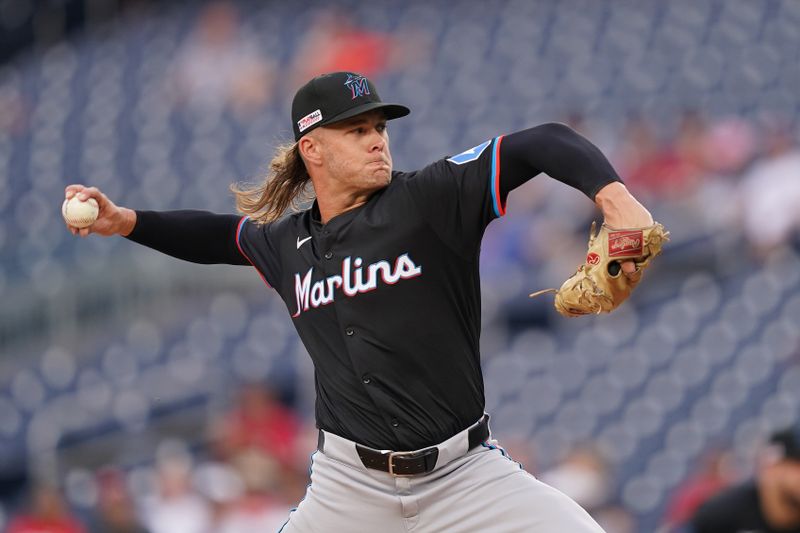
(301, 243)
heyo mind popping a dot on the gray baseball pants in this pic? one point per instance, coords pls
(468, 491)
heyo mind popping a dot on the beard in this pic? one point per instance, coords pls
(370, 177)
(383, 176)
(356, 173)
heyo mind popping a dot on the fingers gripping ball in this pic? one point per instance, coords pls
(599, 285)
(78, 213)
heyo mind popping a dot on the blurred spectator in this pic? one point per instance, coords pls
(583, 476)
(659, 169)
(259, 508)
(116, 512)
(729, 149)
(48, 513)
(216, 479)
(13, 119)
(615, 519)
(639, 144)
(175, 507)
(770, 193)
(768, 504)
(221, 64)
(729, 146)
(260, 422)
(335, 43)
(690, 143)
(713, 475)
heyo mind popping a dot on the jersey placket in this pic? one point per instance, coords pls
(350, 320)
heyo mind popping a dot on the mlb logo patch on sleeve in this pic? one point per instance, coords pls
(469, 155)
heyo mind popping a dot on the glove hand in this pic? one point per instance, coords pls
(599, 285)
(621, 210)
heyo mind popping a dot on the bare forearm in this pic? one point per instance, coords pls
(127, 221)
(620, 209)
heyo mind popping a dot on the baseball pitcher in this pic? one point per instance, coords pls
(380, 277)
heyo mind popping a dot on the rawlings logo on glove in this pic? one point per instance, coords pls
(599, 285)
(623, 243)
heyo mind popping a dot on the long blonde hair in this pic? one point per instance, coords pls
(287, 185)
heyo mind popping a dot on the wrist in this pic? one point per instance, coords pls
(611, 195)
(620, 209)
(128, 221)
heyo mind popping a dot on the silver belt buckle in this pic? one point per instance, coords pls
(392, 455)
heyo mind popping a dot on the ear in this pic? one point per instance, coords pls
(309, 147)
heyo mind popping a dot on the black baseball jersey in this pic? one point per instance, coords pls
(736, 510)
(386, 299)
(386, 296)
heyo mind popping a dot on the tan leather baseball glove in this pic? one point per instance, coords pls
(600, 285)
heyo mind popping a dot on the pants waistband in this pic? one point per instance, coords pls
(354, 454)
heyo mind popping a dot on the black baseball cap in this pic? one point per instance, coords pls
(337, 96)
(788, 439)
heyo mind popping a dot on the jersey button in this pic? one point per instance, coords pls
(350, 332)
(328, 255)
(395, 423)
(366, 380)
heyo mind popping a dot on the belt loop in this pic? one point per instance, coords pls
(321, 441)
(430, 461)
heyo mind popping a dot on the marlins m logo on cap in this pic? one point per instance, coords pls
(323, 101)
(357, 84)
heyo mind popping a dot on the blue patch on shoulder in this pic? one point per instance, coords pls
(469, 155)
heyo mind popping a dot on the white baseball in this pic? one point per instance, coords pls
(78, 213)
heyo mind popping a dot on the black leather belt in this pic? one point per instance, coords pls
(411, 463)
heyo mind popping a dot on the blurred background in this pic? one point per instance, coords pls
(141, 393)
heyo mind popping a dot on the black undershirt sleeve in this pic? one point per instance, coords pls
(560, 152)
(208, 238)
(195, 236)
